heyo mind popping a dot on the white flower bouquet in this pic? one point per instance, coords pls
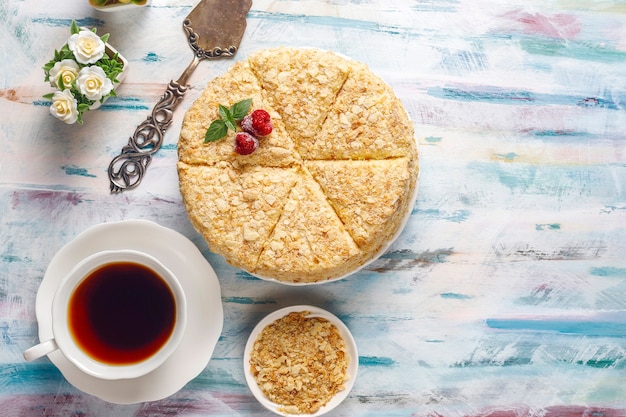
(85, 72)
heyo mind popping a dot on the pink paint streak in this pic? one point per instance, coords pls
(208, 402)
(555, 411)
(560, 26)
(204, 403)
(54, 405)
(45, 198)
(183, 403)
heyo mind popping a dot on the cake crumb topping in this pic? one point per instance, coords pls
(300, 362)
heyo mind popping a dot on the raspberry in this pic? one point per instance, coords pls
(245, 143)
(257, 123)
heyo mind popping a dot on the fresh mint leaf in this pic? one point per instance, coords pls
(224, 112)
(217, 130)
(229, 116)
(240, 109)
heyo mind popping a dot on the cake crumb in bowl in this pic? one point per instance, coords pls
(300, 360)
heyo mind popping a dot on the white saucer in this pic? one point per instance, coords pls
(202, 289)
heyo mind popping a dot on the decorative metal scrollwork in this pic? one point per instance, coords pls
(217, 52)
(127, 169)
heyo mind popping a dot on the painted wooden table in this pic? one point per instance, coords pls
(504, 296)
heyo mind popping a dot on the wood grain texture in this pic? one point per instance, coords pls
(504, 296)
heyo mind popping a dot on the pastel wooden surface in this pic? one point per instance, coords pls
(504, 296)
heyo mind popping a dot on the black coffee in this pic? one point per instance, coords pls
(122, 313)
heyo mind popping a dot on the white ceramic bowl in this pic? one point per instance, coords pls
(353, 355)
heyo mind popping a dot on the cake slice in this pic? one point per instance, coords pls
(309, 243)
(237, 84)
(367, 121)
(236, 210)
(301, 85)
(370, 197)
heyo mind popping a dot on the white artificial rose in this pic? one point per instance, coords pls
(87, 47)
(65, 70)
(64, 106)
(93, 83)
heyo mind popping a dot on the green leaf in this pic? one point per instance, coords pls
(225, 112)
(74, 27)
(111, 67)
(240, 109)
(46, 70)
(229, 117)
(230, 124)
(216, 131)
(48, 96)
(105, 37)
(48, 66)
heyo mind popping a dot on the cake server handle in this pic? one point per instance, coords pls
(214, 29)
(128, 168)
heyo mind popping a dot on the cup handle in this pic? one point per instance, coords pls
(40, 350)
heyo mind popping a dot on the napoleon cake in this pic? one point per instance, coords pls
(325, 192)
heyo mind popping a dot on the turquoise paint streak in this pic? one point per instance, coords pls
(608, 271)
(246, 276)
(455, 296)
(456, 216)
(169, 147)
(30, 378)
(507, 156)
(334, 22)
(487, 94)
(573, 49)
(375, 361)
(86, 21)
(436, 7)
(556, 133)
(246, 300)
(548, 226)
(571, 327)
(436, 256)
(152, 57)
(74, 170)
(116, 104)
(433, 139)
(549, 181)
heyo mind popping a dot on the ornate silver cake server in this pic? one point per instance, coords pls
(214, 29)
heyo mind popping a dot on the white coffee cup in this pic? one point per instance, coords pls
(118, 314)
